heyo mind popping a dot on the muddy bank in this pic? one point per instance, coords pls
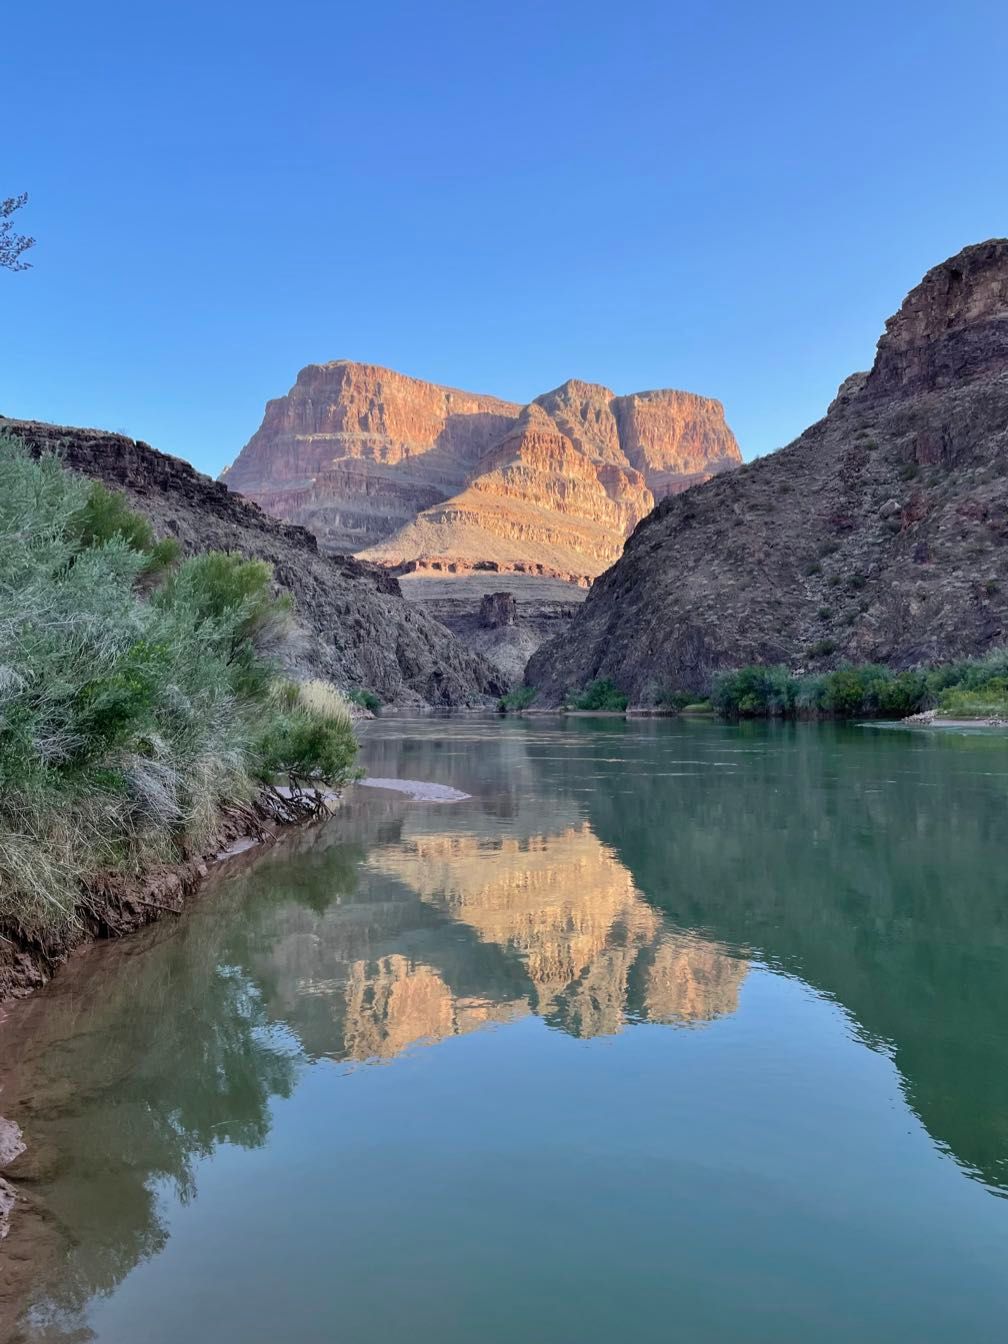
(118, 904)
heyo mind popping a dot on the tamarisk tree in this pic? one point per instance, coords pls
(13, 245)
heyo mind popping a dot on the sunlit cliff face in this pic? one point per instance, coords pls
(411, 473)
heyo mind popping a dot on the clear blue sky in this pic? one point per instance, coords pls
(725, 197)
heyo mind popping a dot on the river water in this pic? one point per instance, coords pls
(673, 1031)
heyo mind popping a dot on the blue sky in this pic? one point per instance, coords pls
(725, 197)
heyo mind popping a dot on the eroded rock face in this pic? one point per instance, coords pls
(537, 501)
(358, 631)
(354, 451)
(674, 439)
(541, 606)
(417, 476)
(950, 329)
(496, 610)
(881, 534)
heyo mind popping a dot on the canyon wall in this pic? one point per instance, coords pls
(421, 477)
(881, 534)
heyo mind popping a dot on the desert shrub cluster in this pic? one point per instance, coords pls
(139, 696)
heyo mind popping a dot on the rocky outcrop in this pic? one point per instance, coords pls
(537, 499)
(354, 451)
(357, 630)
(504, 626)
(675, 439)
(417, 476)
(881, 534)
(497, 610)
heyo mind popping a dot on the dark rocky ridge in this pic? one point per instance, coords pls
(357, 628)
(880, 534)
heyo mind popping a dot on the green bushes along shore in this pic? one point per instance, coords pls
(974, 688)
(139, 697)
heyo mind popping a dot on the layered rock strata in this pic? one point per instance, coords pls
(429, 478)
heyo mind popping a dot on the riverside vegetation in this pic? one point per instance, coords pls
(140, 705)
(974, 688)
(971, 689)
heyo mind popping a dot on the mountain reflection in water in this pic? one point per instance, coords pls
(353, 941)
(602, 875)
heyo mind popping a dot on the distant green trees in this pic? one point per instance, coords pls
(601, 694)
(365, 699)
(971, 688)
(138, 693)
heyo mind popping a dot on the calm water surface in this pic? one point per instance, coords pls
(673, 1031)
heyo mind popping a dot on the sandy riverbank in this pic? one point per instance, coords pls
(418, 789)
(930, 718)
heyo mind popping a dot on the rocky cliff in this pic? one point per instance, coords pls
(418, 476)
(357, 629)
(881, 534)
(353, 451)
(473, 607)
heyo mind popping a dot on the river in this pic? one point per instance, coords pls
(670, 1031)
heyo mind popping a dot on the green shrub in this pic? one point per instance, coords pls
(105, 516)
(974, 688)
(867, 689)
(519, 698)
(847, 691)
(602, 694)
(754, 691)
(366, 699)
(128, 718)
(975, 674)
(230, 600)
(989, 703)
(305, 742)
(902, 693)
